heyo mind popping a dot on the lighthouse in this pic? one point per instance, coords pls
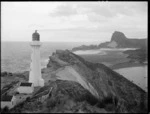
(35, 66)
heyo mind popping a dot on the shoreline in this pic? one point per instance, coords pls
(125, 70)
(100, 50)
(126, 65)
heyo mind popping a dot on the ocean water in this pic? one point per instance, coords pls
(16, 56)
(136, 74)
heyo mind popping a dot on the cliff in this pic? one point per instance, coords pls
(118, 40)
(81, 86)
(107, 86)
(124, 42)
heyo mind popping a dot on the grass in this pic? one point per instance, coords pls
(138, 54)
(65, 91)
(118, 59)
(8, 86)
(111, 57)
(69, 92)
(5, 110)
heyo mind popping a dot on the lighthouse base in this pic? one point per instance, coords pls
(36, 83)
(41, 82)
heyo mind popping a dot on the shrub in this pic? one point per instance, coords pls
(91, 99)
(109, 100)
(10, 74)
(5, 110)
(16, 93)
(51, 103)
(100, 104)
(3, 74)
(28, 99)
(109, 82)
(110, 107)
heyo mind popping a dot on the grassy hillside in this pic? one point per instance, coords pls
(66, 96)
(139, 55)
(108, 83)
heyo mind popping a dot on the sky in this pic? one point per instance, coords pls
(73, 21)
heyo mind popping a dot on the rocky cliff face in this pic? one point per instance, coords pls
(118, 36)
(124, 42)
(107, 86)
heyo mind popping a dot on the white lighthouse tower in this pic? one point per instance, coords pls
(35, 67)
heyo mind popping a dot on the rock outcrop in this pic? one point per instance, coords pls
(118, 36)
(118, 40)
(124, 42)
(84, 47)
(104, 84)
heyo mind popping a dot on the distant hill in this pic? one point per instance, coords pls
(139, 55)
(123, 42)
(118, 40)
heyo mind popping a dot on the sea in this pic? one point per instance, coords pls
(138, 75)
(16, 56)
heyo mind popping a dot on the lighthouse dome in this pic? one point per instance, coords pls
(35, 36)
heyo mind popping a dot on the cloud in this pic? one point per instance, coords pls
(110, 9)
(107, 10)
(35, 26)
(98, 11)
(75, 20)
(107, 17)
(97, 8)
(64, 10)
